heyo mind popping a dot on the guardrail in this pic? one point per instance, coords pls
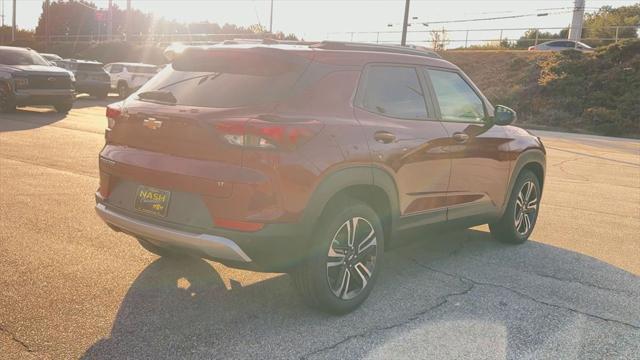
(457, 38)
(468, 37)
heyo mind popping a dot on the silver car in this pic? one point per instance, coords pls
(561, 45)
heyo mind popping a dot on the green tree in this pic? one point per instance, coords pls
(602, 23)
(530, 36)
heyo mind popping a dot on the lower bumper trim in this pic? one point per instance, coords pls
(215, 246)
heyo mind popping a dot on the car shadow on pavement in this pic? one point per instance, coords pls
(27, 119)
(458, 294)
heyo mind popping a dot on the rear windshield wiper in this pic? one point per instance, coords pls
(159, 96)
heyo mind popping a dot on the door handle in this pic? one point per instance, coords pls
(460, 137)
(384, 137)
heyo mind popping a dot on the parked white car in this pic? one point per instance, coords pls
(128, 77)
(561, 45)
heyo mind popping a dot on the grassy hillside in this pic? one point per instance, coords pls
(597, 93)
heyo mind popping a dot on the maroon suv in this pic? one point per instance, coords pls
(310, 159)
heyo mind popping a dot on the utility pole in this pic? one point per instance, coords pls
(2, 24)
(110, 21)
(46, 22)
(575, 31)
(271, 19)
(405, 24)
(13, 27)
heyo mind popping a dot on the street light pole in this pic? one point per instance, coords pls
(13, 27)
(127, 23)
(271, 19)
(405, 24)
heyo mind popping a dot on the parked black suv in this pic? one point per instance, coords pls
(28, 79)
(91, 78)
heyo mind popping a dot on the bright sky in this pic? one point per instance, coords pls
(322, 19)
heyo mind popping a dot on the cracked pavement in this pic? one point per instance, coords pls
(71, 288)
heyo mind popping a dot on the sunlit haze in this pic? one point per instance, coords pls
(333, 19)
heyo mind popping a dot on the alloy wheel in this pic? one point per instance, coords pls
(526, 208)
(5, 92)
(352, 258)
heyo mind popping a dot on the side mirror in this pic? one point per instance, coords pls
(504, 115)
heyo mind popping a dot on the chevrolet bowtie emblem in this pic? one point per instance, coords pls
(152, 123)
(51, 79)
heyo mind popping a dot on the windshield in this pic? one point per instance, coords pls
(51, 57)
(216, 89)
(21, 57)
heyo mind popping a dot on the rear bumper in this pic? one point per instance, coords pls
(43, 96)
(89, 86)
(275, 248)
(216, 247)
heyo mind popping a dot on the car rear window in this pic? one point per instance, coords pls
(142, 69)
(89, 67)
(221, 89)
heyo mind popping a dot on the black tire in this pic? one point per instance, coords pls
(63, 108)
(155, 249)
(508, 229)
(123, 90)
(100, 95)
(7, 103)
(312, 278)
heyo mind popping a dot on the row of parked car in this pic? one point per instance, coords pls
(31, 78)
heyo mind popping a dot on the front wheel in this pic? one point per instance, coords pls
(520, 216)
(64, 107)
(345, 259)
(7, 103)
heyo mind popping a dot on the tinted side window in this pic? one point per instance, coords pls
(457, 100)
(395, 92)
(116, 69)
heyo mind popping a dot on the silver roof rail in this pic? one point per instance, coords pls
(395, 49)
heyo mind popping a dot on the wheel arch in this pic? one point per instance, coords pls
(370, 185)
(533, 160)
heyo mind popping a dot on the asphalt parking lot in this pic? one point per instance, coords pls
(70, 287)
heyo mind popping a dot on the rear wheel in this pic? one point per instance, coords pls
(123, 90)
(520, 216)
(100, 95)
(345, 260)
(7, 103)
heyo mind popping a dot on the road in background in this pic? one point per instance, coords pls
(70, 287)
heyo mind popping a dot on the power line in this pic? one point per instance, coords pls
(427, 23)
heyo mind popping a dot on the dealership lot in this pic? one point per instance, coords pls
(70, 287)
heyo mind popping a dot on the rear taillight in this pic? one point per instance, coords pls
(114, 111)
(268, 134)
